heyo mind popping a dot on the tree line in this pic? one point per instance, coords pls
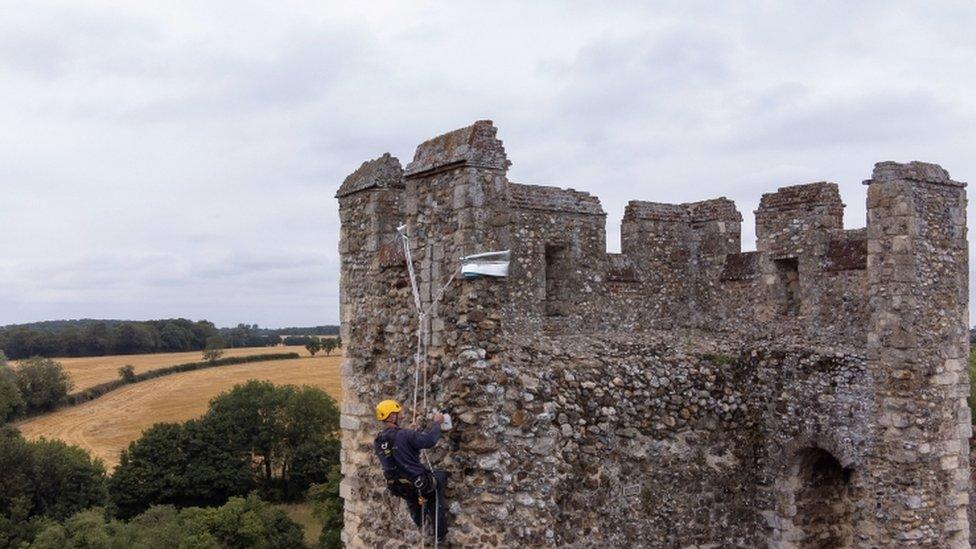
(99, 338)
(327, 345)
(202, 483)
(87, 337)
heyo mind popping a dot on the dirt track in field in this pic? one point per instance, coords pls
(107, 425)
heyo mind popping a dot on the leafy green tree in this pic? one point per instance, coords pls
(253, 411)
(214, 349)
(72, 341)
(161, 526)
(202, 331)
(11, 403)
(127, 373)
(313, 346)
(150, 471)
(98, 339)
(87, 529)
(277, 440)
(90, 529)
(51, 536)
(135, 338)
(42, 382)
(65, 479)
(95, 338)
(175, 338)
(16, 488)
(191, 464)
(215, 470)
(328, 345)
(247, 523)
(240, 523)
(291, 432)
(43, 480)
(327, 506)
(24, 342)
(338, 342)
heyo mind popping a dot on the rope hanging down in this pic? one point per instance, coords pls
(423, 314)
(420, 361)
(493, 264)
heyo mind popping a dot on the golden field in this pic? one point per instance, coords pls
(105, 426)
(89, 371)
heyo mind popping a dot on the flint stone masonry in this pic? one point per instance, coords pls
(682, 393)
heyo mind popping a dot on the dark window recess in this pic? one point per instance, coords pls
(558, 269)
(823, 501)
(788, 274)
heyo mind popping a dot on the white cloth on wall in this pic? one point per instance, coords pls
(486, 264)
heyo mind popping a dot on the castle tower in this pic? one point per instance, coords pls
(452, 199)
(813, 391)
(918, 469)
(457, 204)
(370, 297)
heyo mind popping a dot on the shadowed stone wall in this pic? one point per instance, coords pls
(683, 392)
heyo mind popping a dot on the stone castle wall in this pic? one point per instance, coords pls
(680, 393)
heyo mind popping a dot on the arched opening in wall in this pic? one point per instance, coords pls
(822, 499)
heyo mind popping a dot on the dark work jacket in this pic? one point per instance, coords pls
(407, 446)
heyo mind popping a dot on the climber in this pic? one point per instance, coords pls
(398, 450)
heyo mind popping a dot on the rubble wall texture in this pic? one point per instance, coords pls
(810, 393)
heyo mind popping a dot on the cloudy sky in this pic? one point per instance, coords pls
(181, 160)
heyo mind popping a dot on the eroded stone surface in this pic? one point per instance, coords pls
(680, 393)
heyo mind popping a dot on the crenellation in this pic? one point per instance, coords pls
(743, 266)
(641, 210)
(821, 195)
(847, 251)
(920, 172)
(621, 269)
(791, 220)
(474, 146)
(716, 209)
(809, 393)
(553, 199)
(382, 172)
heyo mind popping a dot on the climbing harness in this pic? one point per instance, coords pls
(494, 264)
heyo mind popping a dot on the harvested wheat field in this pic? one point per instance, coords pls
(105, 426)
(89, 371)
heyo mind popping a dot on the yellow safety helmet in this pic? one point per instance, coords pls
(385, 408)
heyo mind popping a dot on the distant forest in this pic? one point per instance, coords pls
(90, 337)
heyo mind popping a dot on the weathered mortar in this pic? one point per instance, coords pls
(680, 393)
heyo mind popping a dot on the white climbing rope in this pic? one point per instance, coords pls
(420, 363)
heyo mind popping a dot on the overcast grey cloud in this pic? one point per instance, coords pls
(180, 159)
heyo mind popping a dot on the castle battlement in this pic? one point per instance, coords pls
(811, 391)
